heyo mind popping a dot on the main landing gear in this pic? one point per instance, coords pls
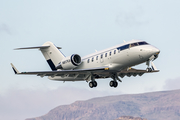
(92, 84)
(114, 82)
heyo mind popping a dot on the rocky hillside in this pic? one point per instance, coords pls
(130, 118)
(153, 106)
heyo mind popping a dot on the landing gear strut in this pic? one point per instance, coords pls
(148, 69)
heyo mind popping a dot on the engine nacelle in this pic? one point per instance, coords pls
(69, 62)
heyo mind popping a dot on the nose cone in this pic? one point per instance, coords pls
(155, 51)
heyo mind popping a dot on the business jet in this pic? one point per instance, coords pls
(112, 63)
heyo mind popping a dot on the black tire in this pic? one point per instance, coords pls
(115, 84)
(91, 84)
(111, 83)
(94, 84)
(149, 70)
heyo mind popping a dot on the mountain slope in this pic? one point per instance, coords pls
(130, 118)
(153, 106)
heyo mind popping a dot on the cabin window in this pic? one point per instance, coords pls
(96, 57)
(109, 53)
(92, 59)
(88, 61)
(106, 55)
(114, 51)
(101, 56)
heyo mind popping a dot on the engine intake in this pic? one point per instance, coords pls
(69, 62)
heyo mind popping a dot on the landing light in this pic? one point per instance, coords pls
(106, 68)
(157, 53)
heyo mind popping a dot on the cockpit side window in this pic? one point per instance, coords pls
(142, 43)
(134, 44)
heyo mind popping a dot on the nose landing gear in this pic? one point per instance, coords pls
(149, 69)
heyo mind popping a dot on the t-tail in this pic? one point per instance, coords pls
(51, 53)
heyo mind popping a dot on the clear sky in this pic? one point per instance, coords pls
(81, 27)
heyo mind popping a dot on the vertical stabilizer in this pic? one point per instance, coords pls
(52, 55)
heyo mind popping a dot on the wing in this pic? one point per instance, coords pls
(62, 72)
(101, 72)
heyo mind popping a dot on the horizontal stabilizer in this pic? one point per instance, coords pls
(37, 47)
(14, 68)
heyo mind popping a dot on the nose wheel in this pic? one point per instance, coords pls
(149, 69)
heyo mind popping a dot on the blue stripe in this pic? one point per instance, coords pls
(152, 68)
(14, 70)
(51, 64)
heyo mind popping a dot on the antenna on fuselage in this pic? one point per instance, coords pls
(95, 50)
(124, 41)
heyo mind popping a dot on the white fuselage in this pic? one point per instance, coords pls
(117, 58)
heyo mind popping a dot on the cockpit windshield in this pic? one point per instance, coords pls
(132, 45)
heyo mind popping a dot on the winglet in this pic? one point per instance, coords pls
(14, 68)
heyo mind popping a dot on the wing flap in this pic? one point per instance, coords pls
(134, 72)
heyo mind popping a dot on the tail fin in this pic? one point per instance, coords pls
(51, 53)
